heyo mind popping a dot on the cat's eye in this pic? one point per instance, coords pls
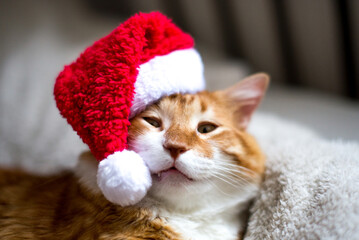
(152, 121)
(206, 127)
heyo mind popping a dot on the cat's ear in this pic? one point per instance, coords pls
(246, 96)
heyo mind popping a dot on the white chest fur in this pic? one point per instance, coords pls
(210, 216)
(225, 225)
(222, 220)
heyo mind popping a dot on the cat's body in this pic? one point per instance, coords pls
(58, 207)
(205, 170)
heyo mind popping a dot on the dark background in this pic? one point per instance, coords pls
(309, 47)
(299, 42)
(306, 43)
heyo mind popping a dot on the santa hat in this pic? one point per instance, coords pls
(145, 58)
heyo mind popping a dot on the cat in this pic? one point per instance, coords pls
(205, 169)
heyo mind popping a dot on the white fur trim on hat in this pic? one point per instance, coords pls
(123, 178)
(180, 71)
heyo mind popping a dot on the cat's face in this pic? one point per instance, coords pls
(196, 144)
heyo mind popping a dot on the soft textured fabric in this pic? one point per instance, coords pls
(180, 71)
(311, 185)
(95, 93)
(134, 182)
(33, 136)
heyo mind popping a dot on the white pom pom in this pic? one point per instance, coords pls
(124, 178)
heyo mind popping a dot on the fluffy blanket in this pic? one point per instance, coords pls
(311, 185)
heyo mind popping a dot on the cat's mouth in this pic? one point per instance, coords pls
(171, 172)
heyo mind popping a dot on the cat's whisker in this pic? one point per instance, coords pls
(235, 178)
(228, 174)
(219, 189)
(234, 168)
(232, 171)
(231, 181)
(227, 164)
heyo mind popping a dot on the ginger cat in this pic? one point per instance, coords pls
(206, 168)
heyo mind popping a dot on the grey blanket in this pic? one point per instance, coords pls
(311, 186)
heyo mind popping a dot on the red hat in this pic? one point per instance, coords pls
(145, 58)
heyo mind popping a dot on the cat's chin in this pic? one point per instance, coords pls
(172, 174)
(175, 189)
(172, 181)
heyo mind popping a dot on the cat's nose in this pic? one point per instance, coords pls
(175, 149)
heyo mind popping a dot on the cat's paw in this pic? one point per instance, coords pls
(124, 178)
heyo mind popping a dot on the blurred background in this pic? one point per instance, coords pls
(310, 49)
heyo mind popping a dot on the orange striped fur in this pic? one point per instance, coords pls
(188, 165)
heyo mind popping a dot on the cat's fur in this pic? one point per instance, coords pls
(206, 168)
